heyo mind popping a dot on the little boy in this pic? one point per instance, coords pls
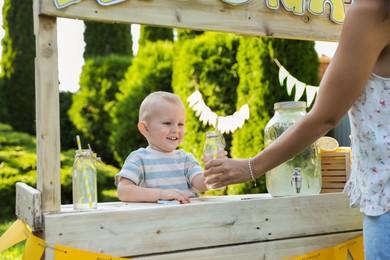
(160, 171)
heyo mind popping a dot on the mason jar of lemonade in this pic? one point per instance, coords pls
(300, 175)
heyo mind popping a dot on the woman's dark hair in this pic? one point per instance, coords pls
(387, 8)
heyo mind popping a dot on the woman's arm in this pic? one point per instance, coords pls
(363, 37)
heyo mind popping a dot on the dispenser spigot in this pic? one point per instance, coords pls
(296, 180)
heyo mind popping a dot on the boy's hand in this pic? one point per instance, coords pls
(174, 194)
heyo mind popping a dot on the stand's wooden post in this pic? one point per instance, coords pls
(47, 110)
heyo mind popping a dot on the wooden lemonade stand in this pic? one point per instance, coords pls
(226, 227)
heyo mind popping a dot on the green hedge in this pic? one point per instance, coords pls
(208, 64)
(260, 88)
(18, 159)
(150, 71)
(90, 111)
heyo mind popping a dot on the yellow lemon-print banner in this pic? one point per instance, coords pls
(35, 246)
(352, 249)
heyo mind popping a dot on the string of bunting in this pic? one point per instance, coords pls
(225, 124)
(35, 247)
(300, 87)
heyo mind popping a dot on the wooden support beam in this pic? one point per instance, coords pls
(47, 110)
(254, 18)
(270, 250)
(28, 206)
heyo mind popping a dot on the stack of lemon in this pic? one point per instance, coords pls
(328, 144)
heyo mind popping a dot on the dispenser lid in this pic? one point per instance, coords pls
(290, 104)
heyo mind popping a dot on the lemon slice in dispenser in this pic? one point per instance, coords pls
(327, 144)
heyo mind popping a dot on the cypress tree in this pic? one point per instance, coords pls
(103, 39)
(17, 63)
(90, 111)
(3, 107)
(154, 34)
(151, 70)
(186, 34)
(206, 63)
(68, 129)
(260, 88)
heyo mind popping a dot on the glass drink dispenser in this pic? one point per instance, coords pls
(300, 175)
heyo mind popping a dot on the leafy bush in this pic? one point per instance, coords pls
(150, 71)
(154, 34)
(17, 65)
(208, 64)
(103, 39)
(68, 129)
(260, 88)
(18, 159)
(90, 111)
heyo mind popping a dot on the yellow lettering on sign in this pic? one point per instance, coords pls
(273, 4)
(109, 2)
(316, 7)
(64, 3)
(295, 6)
(337, 12)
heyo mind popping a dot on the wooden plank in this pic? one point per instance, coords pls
(333, 168)
(47, 110)
(340, 154)
(333, 173)
(28, 206)
(270, 250)
(330, 190)
(254, 18)
(334, 179)
(203, 223)
(334, 160)
(334, 185)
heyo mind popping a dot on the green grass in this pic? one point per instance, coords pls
(15, 252)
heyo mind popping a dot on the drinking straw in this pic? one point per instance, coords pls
(85, 177)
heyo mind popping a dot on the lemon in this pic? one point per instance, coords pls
(327, 144)
(343, 149)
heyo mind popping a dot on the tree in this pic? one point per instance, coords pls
(17, 63)
(150, 71)
(260, 88)
(105, 39)
(187, 34)
(90, 111)
(68, 129)
(206, 63)
(154, 34)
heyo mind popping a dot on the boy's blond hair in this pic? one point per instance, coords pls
(148, 105)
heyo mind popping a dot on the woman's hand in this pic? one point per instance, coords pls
(226, 171)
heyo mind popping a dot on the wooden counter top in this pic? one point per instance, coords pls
(241, 227)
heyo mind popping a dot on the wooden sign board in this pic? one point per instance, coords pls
(252, 18)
